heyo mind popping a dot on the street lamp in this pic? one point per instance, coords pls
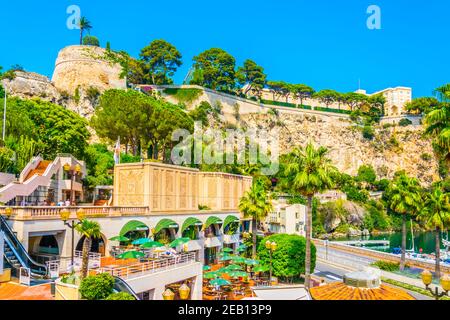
(73, 173)
(65, 216)
(427, 279)
(271, 246)
(184, 291)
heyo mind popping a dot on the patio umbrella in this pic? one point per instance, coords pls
(131, 255)
(140, 241)
(206, 268)
(241, 248)
(237, 259)
(260, 269)
(179, 242)
(152, 244)
(237, 274)
(220, 282)
(226, 258)
(227, 250)
(211, 275)
(222, 270)
(119, 239)
(251, 262)
(234, 267)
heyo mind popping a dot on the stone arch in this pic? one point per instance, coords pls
(98, 245)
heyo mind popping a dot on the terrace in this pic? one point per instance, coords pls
(134, 268)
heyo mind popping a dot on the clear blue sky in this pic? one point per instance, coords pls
(323, 43)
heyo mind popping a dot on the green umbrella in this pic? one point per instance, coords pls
(227, 250)
(237, 259)
(237, 274)
(211, 275)
(222, 270)
(251, 262)
(119, 239)
(241, 248)
(141, 241)
(260, 268)
(206, 268)
(226, 258)
(234, 267)
(152, 244)
(131, 255)
(220, 282)
(179, 242)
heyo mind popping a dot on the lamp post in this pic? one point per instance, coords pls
(271, 246)
(65, 216)
(427, 279)
(73, 173)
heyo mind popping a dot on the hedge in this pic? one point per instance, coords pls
(288, 260)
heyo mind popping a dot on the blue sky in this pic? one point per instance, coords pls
(323, 43)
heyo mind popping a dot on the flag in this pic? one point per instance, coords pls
(117, 151)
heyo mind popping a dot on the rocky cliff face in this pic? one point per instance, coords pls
(31, 85)
(392, 148)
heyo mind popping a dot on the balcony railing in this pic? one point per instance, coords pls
(89, 211)
(139, 269)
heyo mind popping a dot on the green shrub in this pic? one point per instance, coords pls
(405, 122)
(288, 260)
(184, 95)
(368, 132)
(91, 41)
(343, 228)
(386, 265)
(354, 194)
(426, 156)
(97, 287)
(120, 296)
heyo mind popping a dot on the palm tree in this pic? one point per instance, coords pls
(309, 171)
(257, 204)
(84, 24)
(90, 230)
(436, 215)
(404, 194)
(438, 121)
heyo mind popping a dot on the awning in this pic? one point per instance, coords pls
(191, 221)
(133, 225)
(230, 219)
(165, 224)
(212, 220)
(212, 242)
(194, 245)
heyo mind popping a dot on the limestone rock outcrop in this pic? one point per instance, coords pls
(28, 85)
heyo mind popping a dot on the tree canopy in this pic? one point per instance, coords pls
(162, 60)
(218, 69)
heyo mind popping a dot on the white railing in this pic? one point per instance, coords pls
(64, 265)
(52, 212)
(138, 269)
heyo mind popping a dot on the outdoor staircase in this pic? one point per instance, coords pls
(39, 170)
(37, 173)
